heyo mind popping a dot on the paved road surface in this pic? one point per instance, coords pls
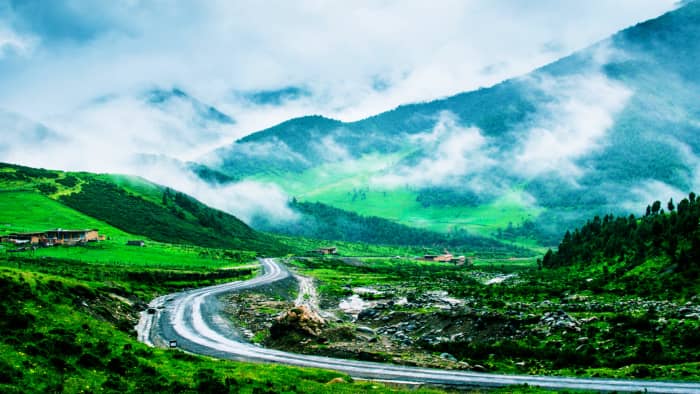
(193, 318)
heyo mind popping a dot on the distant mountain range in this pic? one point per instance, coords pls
(602, 130)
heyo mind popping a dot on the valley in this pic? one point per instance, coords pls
(493, 314)
(474, 319)
(229, 207)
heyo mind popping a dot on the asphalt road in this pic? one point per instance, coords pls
(193, 318)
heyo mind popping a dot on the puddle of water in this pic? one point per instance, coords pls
(498, 279)
(354, 304)
(365, 290)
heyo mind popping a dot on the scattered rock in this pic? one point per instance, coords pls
(448, 356)
(365, 330)
(336, 381)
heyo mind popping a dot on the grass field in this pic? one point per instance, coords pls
(31, 211)
(349, 185)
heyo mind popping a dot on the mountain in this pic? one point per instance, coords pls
(201, 113)
(598, 131)
(132, 205)
(274, 97)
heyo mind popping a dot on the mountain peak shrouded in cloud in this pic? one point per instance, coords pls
(600, 130)
(225, 69)
(275, 96)
(163, 98)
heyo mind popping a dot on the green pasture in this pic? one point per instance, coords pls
(352, 185)
(31, 211)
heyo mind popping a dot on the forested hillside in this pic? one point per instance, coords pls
(619, 118)
(325, 222)
(663, 246)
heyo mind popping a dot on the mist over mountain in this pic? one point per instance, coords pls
(603, 130)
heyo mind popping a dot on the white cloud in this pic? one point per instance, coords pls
(338, 51)
(649, 191)
(245, 199)
(573, 124)
(115, 150)
(451, 152)
(50, 69)
(330, 150)
(13, 43)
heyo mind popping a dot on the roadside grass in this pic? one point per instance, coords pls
(54, 341)
(144, 282)
(154, 254)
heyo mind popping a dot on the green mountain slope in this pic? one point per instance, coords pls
(126, 205)
(321, 221)
(595, 132)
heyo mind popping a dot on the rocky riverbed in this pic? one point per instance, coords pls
(433, 328)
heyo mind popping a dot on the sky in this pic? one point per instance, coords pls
(355, 58)
(79, 73)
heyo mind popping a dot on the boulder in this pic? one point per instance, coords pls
(365, 330)
(300, 320)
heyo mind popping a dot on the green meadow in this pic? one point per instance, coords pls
(31, 211)
(353, 186)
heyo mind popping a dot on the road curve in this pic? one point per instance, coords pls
(193, 319)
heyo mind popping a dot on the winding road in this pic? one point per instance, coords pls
(194, 319)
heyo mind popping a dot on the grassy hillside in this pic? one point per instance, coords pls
(131, 205)
(67, 313)
(348, 185)
(23, 211)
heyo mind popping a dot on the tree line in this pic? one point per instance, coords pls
(672, 233)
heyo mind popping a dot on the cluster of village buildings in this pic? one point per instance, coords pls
(57, 236)
(446, 257)
(75, 237)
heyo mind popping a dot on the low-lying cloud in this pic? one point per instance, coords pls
(450, 153)
(120, 149)
(56, 58)
(573, 124)
(245, 200)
